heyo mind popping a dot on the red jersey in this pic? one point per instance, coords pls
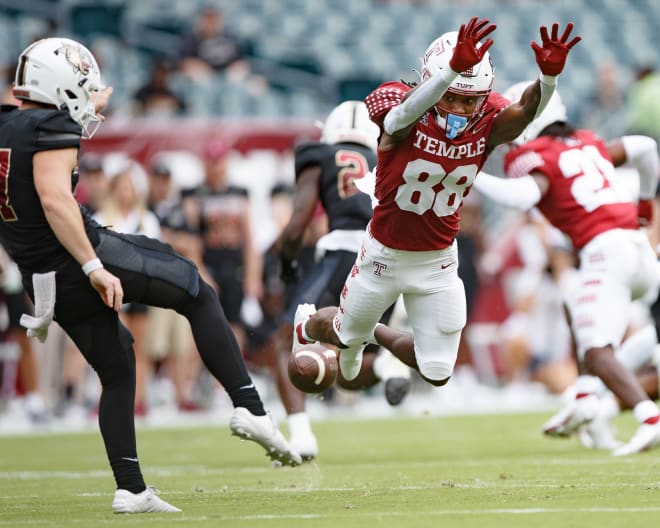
(582, 199)
(421, 183)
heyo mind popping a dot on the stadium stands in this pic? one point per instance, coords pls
(315, 53)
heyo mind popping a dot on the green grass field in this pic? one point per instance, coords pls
(473, 471)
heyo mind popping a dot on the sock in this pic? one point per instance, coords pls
(638, 348)
(299, 424)
(585, 385)
(303, 337)
(128, 475)
(248, 397)
(647, 412)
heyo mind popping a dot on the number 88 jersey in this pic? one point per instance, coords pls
(582, 199)
(422, 181)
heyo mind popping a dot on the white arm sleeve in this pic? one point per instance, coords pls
(548, 85)
(418, 102)
(642, 153)
(519, 193)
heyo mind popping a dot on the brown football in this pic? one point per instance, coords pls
(314, 368)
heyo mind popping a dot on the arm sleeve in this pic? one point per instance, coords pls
(520, 193)
(548, 85)
(642, 153)
(418, 101)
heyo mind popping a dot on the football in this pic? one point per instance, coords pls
(314, 368)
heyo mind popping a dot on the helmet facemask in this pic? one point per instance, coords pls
(63, 73)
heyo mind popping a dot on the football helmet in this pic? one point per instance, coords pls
(350, 122)
(476, 82)
(553, 112)
(63, 73)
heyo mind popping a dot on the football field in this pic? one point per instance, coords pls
(458, 471)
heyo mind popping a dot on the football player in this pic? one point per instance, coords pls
(80, 274)
(327, 172)
(434, 138)
(568, 174)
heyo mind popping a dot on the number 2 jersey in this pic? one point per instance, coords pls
(341, 164)
(421, 182)
(24, 230)
(582, 199)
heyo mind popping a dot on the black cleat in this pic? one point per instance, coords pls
(396, 390)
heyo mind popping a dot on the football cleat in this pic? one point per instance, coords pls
(395, 374)
(306, 445)
(263, 431)
(646, 437)
(146, 501)
(396, 390)
(303, 312)
(598, 434)
(578, 412)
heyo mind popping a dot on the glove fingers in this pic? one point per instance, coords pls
(544, 34)
(486, 31)
(567, 32)
(484, 47)
(555, 31)
(573, 42)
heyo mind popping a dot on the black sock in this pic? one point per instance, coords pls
(248, 397)
(128, 475)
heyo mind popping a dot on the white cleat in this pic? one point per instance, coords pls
(263, 431)
(350, 362)
(306, 445)
(578, 412)
(303, 312)
(146, 501)
(598, 434)
(646, 437)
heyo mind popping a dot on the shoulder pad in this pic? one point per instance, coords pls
(55, 130)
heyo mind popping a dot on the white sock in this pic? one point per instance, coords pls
(299, 424)
(586, 384)
(644, 410)
(638, 348)
(304, 332)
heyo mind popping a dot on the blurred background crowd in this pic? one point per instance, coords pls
(209, 100)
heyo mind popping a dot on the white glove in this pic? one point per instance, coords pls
(44, 306)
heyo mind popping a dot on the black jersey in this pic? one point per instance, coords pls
(341, 164)
(24, 230)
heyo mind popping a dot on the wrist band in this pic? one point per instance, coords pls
(548, 80)
(92, 265)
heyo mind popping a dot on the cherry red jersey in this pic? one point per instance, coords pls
(582, 198)
(421, 183)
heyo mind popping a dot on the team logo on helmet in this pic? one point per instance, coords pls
(76, 57)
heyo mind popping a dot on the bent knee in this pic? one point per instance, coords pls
(436, 373)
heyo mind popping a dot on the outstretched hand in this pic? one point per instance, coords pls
(551, 54)
(467, 53)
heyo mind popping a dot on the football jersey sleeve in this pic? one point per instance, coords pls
(520, 161)
(383, 99)
(56, 130)
(307, 154)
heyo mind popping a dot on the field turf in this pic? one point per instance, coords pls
(468, 471)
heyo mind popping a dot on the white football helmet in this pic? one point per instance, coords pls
(553, 112)
(476, 82)
(63, 73)
(350, 122)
